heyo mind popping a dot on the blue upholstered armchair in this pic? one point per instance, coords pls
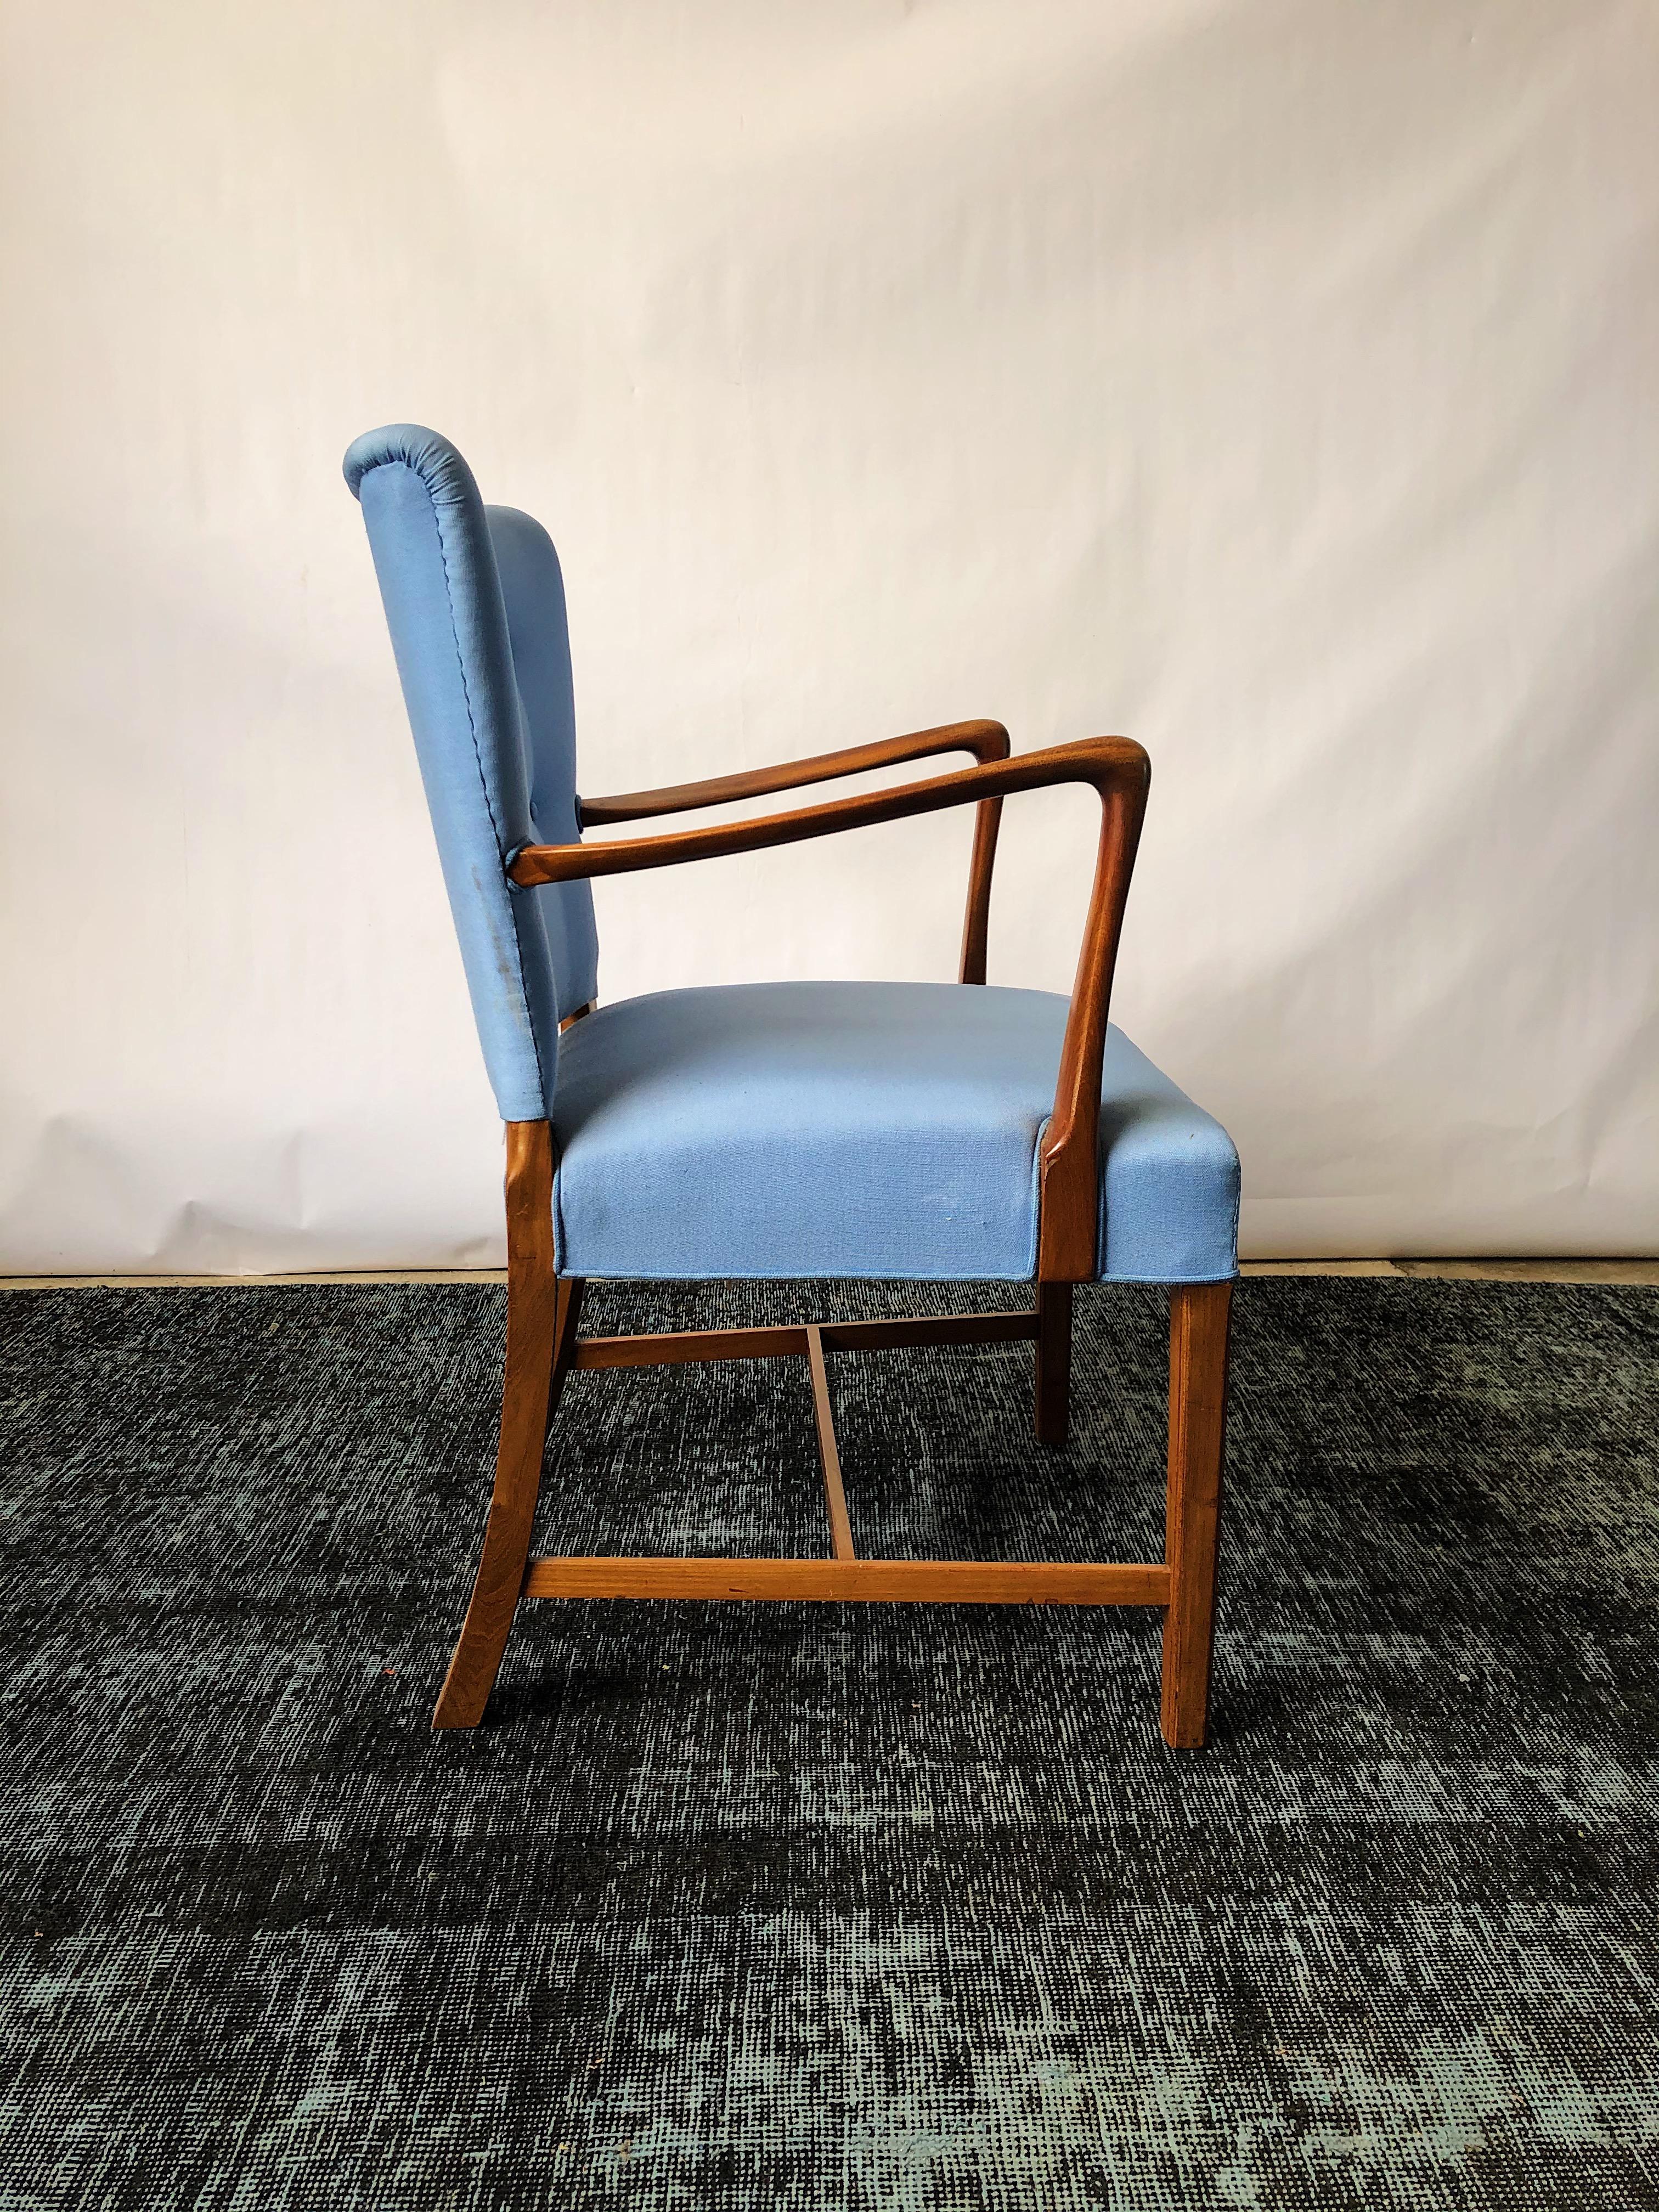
(923, 1132)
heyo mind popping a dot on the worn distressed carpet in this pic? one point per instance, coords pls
(796, 1907)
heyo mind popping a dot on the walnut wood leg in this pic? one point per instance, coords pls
(536, 1304)
(1198, 1414)
(570, 1292)
(1053, 1363)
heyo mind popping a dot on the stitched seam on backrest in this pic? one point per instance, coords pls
(484, 784)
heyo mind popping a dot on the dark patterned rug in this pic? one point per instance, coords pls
(828, 1907)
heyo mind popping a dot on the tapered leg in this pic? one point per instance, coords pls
(540, 1310)
(1198, 1413)
(569, 1312)
(1053, 1363)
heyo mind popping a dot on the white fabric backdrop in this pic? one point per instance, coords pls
(1276, 383)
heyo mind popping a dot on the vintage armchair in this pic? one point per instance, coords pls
(901, 1131)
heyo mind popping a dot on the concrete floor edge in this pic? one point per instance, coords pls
(1642, 1270)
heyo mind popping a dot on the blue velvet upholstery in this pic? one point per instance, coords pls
(777, 1129)
(476, 607)
(864, 1129)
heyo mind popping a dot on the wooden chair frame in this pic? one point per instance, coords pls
(543, 1308)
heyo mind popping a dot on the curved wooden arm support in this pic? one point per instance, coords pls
(1120, 773)
(987, 741)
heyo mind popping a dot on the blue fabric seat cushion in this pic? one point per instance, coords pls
(886, 1130)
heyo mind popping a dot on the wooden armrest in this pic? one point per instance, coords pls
(1120, 774)
(987, 741)
(1105, 762)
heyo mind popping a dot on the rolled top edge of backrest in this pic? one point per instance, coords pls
(435, 460)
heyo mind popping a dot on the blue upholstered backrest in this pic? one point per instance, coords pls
(475, 603)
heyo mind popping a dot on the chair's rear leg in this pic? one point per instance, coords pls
(541, 1319)
(1198, 1316)
(1053, 1363)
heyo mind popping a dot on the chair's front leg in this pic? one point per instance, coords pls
(540, 1316)
(1198, 1316)
(1053, 1363)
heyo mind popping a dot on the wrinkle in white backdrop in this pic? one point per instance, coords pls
(1273, 383)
